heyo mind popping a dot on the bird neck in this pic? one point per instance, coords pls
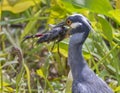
(76, 60)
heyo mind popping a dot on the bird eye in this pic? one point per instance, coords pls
(68, 22)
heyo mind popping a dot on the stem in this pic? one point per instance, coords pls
(1, 79)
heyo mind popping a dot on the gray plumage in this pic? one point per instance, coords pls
(84, 79)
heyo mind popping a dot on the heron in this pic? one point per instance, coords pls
(84, 79)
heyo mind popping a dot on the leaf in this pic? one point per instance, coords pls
(97, 6)
(7, 63)
(9, 89)
(69, 83)
(117, 4)
(67, 5)
(18, 6)
(30, 25)
(115, 14)
(20, 20)
(86, 55)
(117, 89)
(60, 8)
(5, 84)
(63, 48)
(6, 87)
(10, 38)
(28, 77)
(2, 59)
(40, 73)
(107, 28)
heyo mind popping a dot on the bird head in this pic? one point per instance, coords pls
(79, 27)
(78, 24)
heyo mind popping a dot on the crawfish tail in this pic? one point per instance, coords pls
(32, 36)
(57, 33)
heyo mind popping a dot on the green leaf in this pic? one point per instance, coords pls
(6, 87)
(117, 89)
(67, 5)
(20, 20)
(30, 25)
(117, 4)
(115, 14)
(97, 6)
(10, 38)
(40, 73)
(63, 48)
(18, 6)
(28, 77)
(69, 83)
(107, 28)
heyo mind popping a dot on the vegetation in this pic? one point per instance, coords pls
(42, 68)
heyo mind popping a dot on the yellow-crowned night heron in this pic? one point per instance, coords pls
(84, 79)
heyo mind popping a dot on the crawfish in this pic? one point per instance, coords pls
(57, 33)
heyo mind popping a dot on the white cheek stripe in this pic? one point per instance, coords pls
(75, 25)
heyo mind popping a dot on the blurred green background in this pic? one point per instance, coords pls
(43, 68)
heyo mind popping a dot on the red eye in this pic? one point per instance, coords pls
(68, 22)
